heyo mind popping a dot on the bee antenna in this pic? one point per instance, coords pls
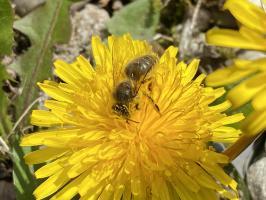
(137, 91)
(154, 104)
(131, 120)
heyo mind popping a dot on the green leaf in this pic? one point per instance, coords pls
(5, 123)
(6, 31)
(6, 41)
(23, 178)
(139, 18)
(45, 26)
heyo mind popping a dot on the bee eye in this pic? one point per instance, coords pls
(121, 109)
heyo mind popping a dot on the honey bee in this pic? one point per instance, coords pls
(136, 71)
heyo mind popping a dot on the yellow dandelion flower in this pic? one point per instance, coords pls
(252, 89)
(159, 151)
(251, 73)
(251, 34)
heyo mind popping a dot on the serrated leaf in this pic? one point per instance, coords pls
(45, 26)
(139, 18)
(6, 30)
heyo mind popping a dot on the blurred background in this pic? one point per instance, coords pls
(33, 33)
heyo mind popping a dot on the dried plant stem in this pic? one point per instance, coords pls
(240, 145)
(3, 143)
(195, 15)
(22, 116)
(188, 30)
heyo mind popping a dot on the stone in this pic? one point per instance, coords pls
(86, 22)
(23, 7)
(256, 178)
(256, 174)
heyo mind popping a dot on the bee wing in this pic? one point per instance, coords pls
(152, 60)
(119, 58)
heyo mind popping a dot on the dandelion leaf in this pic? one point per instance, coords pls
(6, 31)
(45, 26)
(139, 18)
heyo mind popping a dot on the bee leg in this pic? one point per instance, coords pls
(150, 87)
(137, 106)
(145, 80)
(156, 107)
